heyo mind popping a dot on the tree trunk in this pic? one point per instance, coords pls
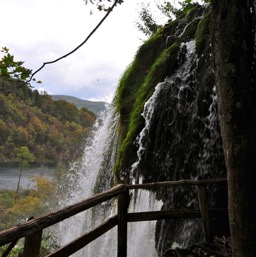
(233, 49)
(18, 186)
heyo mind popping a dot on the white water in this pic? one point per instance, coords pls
(141, 235)
(147, 115)
(141, 239)
(83, 181)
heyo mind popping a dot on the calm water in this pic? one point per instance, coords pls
(9, 177)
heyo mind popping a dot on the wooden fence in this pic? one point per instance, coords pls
(32, 230)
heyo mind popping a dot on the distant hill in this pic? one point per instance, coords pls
(95, 107)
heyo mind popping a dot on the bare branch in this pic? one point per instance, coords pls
(74, 50)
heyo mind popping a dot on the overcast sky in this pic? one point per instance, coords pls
(38, 31)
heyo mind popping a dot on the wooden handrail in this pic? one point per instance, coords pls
(36, 226)
(172, 214)
(85, 239)
(176, 183)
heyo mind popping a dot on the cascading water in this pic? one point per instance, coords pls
(182, 88)
(92, 175)
(180, 140)
(141, 240)
(86, 180)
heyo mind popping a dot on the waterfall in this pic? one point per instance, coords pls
(99, 156)
(85, 179)
(142, 137)
(141, 235)
(181, 140)
(180, 85)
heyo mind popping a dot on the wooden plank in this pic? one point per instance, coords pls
(85, 239)
(176, 183)
(173, 214)
(38, 224)
(203, 203)
(123, 203)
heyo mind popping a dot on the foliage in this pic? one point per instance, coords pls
(103, 5)
(11, 69)
(147, 24)
(44, 189)
(34, 202)
(24, 157)
(16, 251)
(50, 129)
(167, 9)
(30, 203)
(48, 244)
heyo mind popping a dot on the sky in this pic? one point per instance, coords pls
(38, 31)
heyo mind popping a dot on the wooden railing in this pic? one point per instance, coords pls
(32, 230)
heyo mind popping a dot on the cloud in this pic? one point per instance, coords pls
(41, 31)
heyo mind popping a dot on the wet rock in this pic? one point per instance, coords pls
(219, 248)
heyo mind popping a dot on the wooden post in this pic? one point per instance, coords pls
(203, 202)
(123, 203)
(32, 244)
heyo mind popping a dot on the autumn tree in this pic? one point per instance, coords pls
(34, 202)
(233, 35)
(24, 157)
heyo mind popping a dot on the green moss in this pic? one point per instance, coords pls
(155, 60)
(134, 77)
(191, 11)
(202, 33)
(131, 106)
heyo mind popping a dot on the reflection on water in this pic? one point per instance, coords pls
(9, 176)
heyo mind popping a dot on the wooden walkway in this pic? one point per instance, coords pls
(32, 230)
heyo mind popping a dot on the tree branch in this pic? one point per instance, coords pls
(74, 50)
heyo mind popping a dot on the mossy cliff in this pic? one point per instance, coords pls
(182, 139)
(158, 58)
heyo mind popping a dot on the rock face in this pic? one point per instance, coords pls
(177, 136)
(220, 247)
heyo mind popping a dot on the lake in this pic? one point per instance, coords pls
(9, 177)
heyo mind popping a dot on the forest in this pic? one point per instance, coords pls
(52, 130)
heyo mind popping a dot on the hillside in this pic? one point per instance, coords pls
(52, 130)
(95, 107)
